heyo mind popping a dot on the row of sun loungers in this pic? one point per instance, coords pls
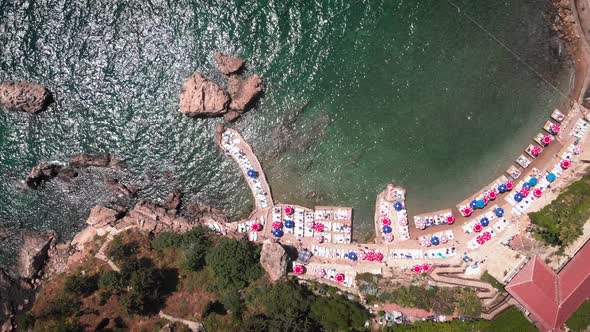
(437, 253)
(333, 214)
(330, 275)
(580, 128)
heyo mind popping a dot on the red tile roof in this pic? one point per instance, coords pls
(552, 298)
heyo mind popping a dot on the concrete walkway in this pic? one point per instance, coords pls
(193, 326)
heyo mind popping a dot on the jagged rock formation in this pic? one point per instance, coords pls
(34, 253)
(244, 91)
(274, 259)
(202, 98)
(24, 96)
(228, 64)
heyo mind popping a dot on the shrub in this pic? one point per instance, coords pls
(111, 281)
(235, 263)
(146, 286)
(79, 284)
(119, 251)
(338, 314)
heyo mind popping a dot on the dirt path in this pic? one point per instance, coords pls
(193, 326)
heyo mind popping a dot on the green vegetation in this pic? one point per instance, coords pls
(146, 286)
(119, 250)
(511, 320)
(80, 284)
(235, 263)
(580, 320)
(195, 244)
(492, 281)
(560, 223)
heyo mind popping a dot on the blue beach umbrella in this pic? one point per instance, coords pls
(289, 223)
(551, 177)
(499, 212)
(518, 197)
(473, 204)
(277, 233)
(502, 188)
(386, 229)
(533, 181)
(484, 222)
(435, 241)
(352, 256)
(252, 173)
(480, 203)
(526, 185)
(398, 206)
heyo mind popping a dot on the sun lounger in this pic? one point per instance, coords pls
(530, 148)
(513, 172)
(523, 161)
(557, 115)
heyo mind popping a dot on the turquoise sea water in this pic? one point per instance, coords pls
(358, 94)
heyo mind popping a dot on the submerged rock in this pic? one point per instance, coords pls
(274, 260)
(95, 160)
(202, 98)
(42, 172)
(24, 96)
(244, 91)
(33, 253)
(228, 64)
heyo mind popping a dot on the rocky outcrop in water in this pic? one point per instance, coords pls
(202, 98)
(228, 64)
(24, 96)
(244, 92)
(274, 260)
(41, 173)
(82, 160)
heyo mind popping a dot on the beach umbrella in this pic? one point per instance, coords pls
(480, 239)
(480, 203)
(379, 257)
(256, 227)
(298, 269)
(477, 228)
(450, 219)
(435, 240)
(546, 139)
(444, 239)
(485, 200)
(565, 164)
(398, 206)
(429, 222)
(289, 210)
(417, 268)
(427, 243)
(509, 185)
(484, 221)
(577, 149)
(526, 185)
(318, 227)
(537, 192)
(277, 225)
(535, 150)
(402, 221)
(492, 195)
(467, 211)
(486, 235)
(387, 229)
(425, 267)
(499, 212)
(518, 197)
(319, 239)
(551, 177)
(473, 204)
(386, 221)
(320, 273)
(524, 192)
(555, 128)
(252, 173)
(420, 224)
(352, 256)
(388, 237)
(289, 223)
(533, 181)
(277, 233)
(502, 188)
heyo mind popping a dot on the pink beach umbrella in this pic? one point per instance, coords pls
(577, 149)
(450, 219)
(319, 239)
(421, 224)
(535, 150)
(565, 164)
(492, 195)
(555, 128)
(320, 273)
(425, 267)
(524, 192)
(486, 235)
(379, 257)
(477, 228)
(480, 240)
(340, 277)
(256, 227)
(403, 221)
(466, 212)
(509, 185)
(444, 239)
(318, 227)
(362, 255)
(386, 221)
(277, 225)
(537, 192)
(417, 268)
(486, 200)
(298, 269)
(388, 237)
(289, 210)
(546, 139)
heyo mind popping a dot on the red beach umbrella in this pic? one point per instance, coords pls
(379, 257)
(450, 219)
(546, 139)
(537, 192)
(492, 195)
(425, 267)
(486, 200)
(386, 221)
(477, 228)
(417, 268)
(318, 227)
(256, 227)
(524, 192)
(535, 151)
(565, 164)
(277, 225)
(509, 185)
(289, 210)
(467, 212)
(555, 128)
(480, 240)
(340, 277)
(298, 269)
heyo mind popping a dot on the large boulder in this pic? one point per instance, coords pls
(41, 173)
(244, 91)
(33, 253)
(274, 259)
(96, 160)
(228, 64)
(101, 216)
(24, 96)
(202, 98)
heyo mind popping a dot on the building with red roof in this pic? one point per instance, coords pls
(552, 298)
